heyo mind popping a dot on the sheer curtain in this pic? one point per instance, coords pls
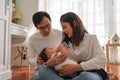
(98, 16)
(90, 11)
(92, 14)
(118, 16)
(118, 25)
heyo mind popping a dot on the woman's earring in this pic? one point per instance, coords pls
(74, 23)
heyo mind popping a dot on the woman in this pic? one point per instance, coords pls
(82, 46)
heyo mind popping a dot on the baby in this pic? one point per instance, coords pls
(48, 52)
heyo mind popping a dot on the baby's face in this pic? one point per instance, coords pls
(49, 52)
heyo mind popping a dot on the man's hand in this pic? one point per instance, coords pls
(39, 60)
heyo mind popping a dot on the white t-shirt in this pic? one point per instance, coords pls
(67, 61)
(37, 43)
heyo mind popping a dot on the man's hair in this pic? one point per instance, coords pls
(38, 17)
(43, 55)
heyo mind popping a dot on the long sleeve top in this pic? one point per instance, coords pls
(37, 43)
(89, 52)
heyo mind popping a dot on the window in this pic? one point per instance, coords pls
(118, 16)
(92, 12)
(100, 17)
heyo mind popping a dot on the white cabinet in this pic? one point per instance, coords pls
(5, 39)
(18, 31)
(4, 73)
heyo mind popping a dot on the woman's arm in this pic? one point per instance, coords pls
(98, 59)
(64, 52)
(58, 59)
(68, 68)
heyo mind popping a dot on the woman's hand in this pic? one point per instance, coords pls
(39, 60)
(55, 60)
(62, 56)
(63, 52)
(69, 69)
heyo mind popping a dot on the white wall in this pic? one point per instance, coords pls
(27, 8)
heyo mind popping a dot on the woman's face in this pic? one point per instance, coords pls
(67, 29)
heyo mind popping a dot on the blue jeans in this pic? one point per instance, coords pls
(46, 73)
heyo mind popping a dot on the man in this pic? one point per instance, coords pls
(44, 37)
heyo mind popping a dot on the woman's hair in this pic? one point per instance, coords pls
(43, 55)
(38, 17)
(77, 26)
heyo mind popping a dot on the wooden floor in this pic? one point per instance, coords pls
(22, 73)
(115, 70)
(25, 74)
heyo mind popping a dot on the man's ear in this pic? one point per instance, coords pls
(36, 27)
(74, 23)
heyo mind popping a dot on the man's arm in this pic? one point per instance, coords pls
(33, 57)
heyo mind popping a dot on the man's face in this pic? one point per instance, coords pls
(44, 27)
